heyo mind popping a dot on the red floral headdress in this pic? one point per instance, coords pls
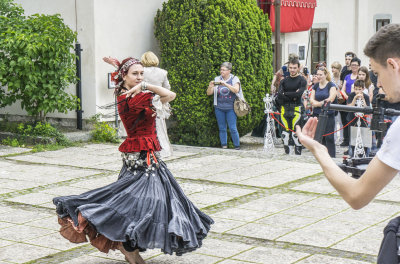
(123, 69)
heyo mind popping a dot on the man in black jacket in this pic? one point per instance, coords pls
(289, 95)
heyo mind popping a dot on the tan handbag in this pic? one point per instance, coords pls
(240, 106)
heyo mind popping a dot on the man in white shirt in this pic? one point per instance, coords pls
(384, 52)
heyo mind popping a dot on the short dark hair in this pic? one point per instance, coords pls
(384, 44)
(355, 59)
(350, 53)
(359, 83)
(294, 61)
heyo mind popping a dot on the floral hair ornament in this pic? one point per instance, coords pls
(123, 70)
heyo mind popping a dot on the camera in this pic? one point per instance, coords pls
(305, 71)
(217, 83)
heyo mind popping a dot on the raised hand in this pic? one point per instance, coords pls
(114, 62)
(306, 135)
(133, 91)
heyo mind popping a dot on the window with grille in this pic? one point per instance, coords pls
(380, 23)
(319, 38)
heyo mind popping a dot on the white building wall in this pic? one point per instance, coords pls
(349, 24)
(128, 32)
(122, 28)
(118, 28)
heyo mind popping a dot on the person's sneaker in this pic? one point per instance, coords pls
(237, 148)
(287, 149)
(224, 147)
(346, 152)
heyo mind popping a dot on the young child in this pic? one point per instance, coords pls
(359, 86)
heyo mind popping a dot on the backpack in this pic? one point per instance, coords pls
(389, 250)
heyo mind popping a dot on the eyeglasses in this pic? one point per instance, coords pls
(354, 65)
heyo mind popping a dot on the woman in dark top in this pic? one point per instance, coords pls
(145, 208)
(322, 91)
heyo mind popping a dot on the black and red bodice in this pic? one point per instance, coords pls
(137, 116)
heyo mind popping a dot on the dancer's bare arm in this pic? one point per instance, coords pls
(165, 94)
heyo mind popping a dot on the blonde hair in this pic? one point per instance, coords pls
(326, 72)
(149, 59)
(337, 65)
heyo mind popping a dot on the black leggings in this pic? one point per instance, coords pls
(329, 141)
(343, 117)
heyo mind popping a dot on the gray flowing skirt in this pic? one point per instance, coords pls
(146, 209)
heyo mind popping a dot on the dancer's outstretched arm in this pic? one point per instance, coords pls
(356, 192)
(165, 94)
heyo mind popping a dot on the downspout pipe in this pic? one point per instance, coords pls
(78, 86)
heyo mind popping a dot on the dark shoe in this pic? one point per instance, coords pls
(297, 150)
(237, 148)
(344, 144)
(287, 149)
(346, 152)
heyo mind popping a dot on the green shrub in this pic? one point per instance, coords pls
(44, 130)
(103, 132)
(36, 62)
(195, 37)
(13, 142)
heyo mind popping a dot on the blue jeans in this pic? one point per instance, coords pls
(223, 117)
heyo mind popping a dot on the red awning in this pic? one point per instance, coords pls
(296, 15)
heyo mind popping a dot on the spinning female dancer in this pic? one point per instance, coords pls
(145, 208)
(157, 76)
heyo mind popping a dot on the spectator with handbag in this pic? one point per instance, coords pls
(225, 88)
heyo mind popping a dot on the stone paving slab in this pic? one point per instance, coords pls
(88, 156)
(274, 255)
(328, 260)
(268, 208)
(24, 253)
(92, 260)
(7, 150)
(20, 216)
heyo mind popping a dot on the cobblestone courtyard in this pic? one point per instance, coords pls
(267, 208)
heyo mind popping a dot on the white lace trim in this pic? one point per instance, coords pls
(163, 110)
